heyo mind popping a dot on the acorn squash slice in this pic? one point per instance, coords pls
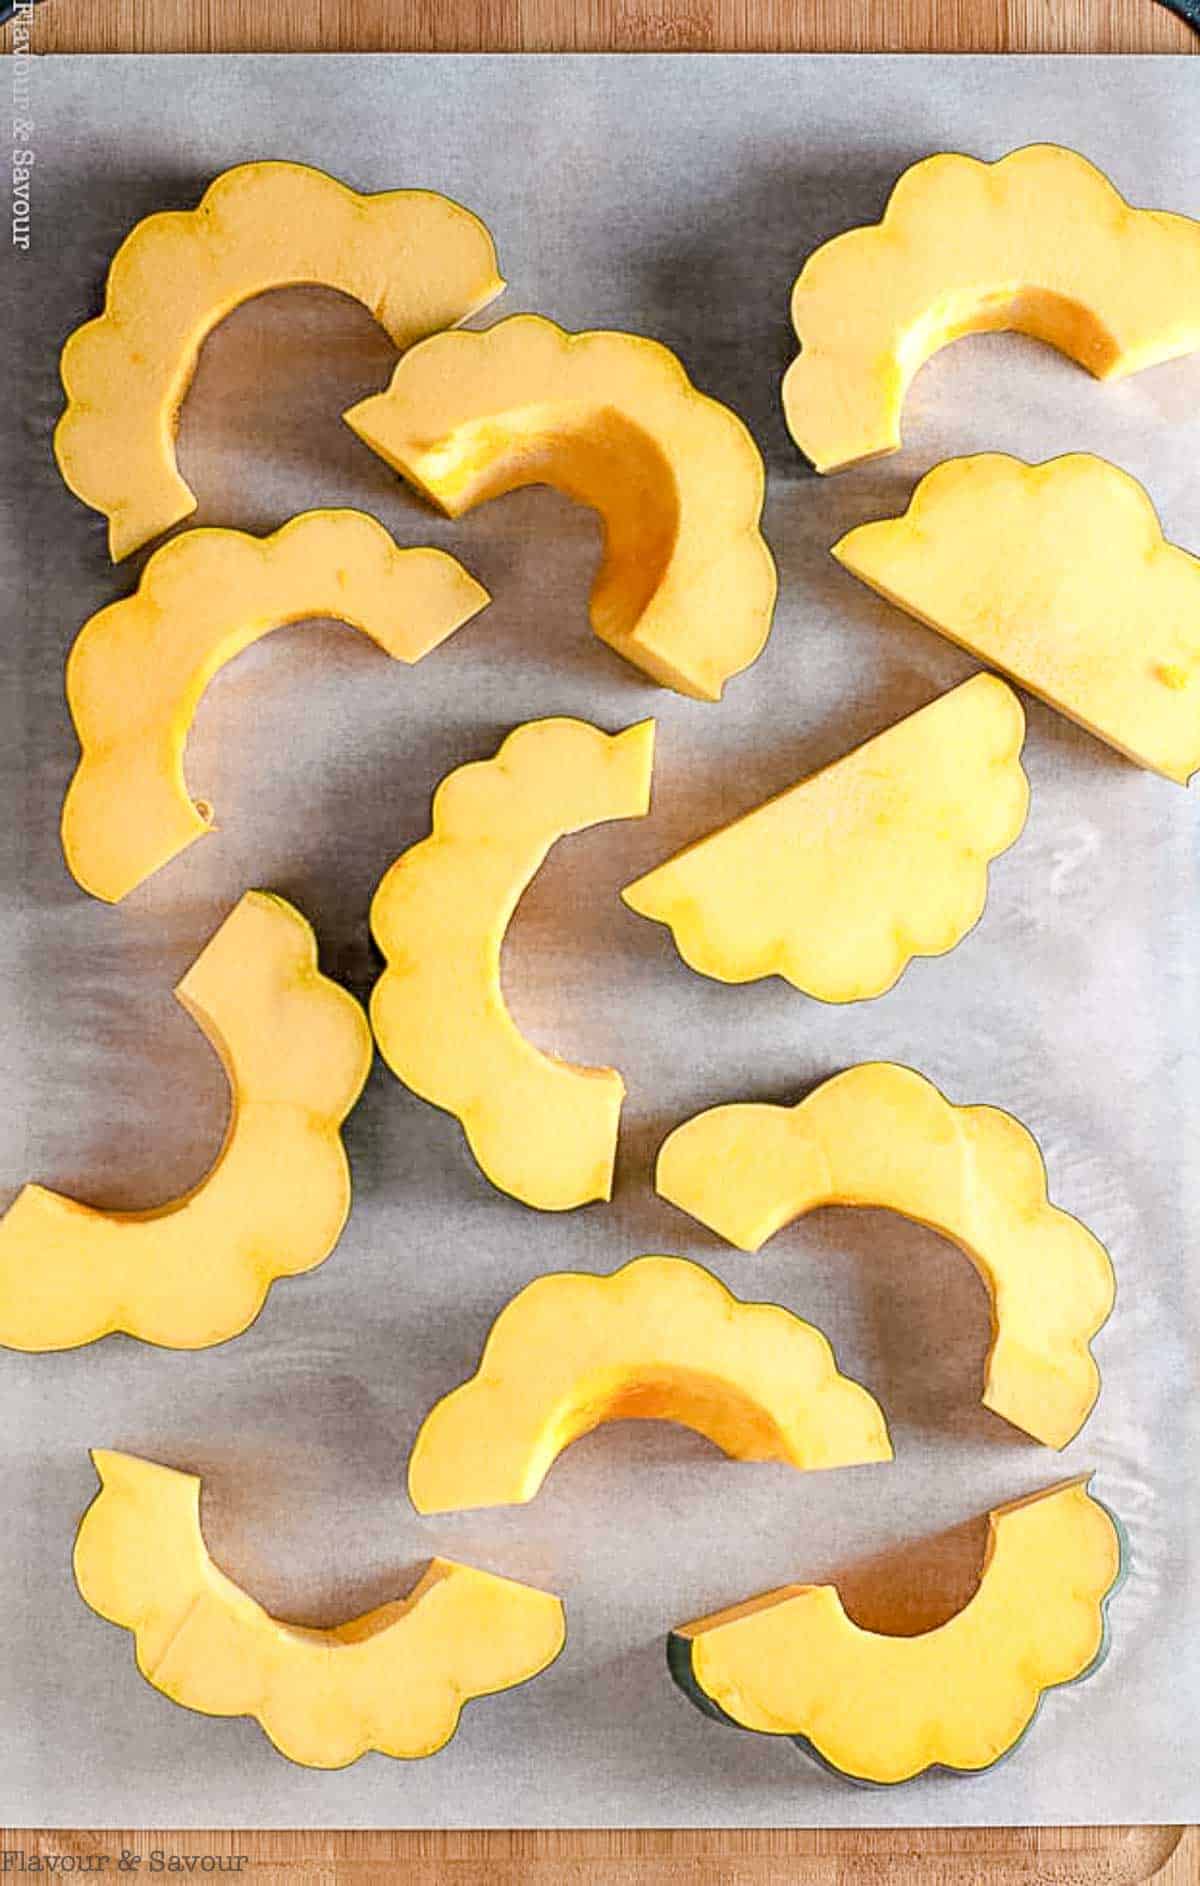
(838, 882)
(394, 1680)
(1039, 243)
(297, 1049)
(416, 260)
(686, 587)
(880, 1709)
(660, 1340)
(1059, 574)
(882, 1135)
(541, 1128)
(138, 668)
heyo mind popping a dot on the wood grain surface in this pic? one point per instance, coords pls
(971, 1856)
(610, 26)
(1071, 1856)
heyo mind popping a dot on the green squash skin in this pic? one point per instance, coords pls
(679, 1663)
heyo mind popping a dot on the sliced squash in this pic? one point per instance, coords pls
(1059, 574)
(686, 587)
(882, 1135)
(659, 1340)
(881, 1709)
(542, 1129)
(138, 668)
(1039, 243)
(840, 881)
(416, 260)
(297, 1049)
(394, 1680)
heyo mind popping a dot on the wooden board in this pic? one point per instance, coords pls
(1071, 1856)
(610, 26)
(974, 1856)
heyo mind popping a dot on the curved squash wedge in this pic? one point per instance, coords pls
(138, 668)
(1039, 243)
(416, 260)
(659, 1340)
(686, 587)
(394, 1680)
(297, 1049)
(880, 1709)
(840, 881)
(1059, 574)
(542, 1129)
(882, 1135)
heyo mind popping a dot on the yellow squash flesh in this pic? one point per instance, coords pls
(840, 881)
(1059, 574)
(882, 1135)
(297, 1049)
(661, 1340)
(138, 668)
(394, 1680)
(1039, 243)
(416, 260)
(686, 587)
(882, 1709)
(541, 1128)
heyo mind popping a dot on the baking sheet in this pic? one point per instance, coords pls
(676, 197)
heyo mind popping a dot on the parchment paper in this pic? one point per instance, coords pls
(676, 197)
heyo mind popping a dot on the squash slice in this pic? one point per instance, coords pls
(880, 1709)
(837, 883)
(394, 1680)
(1039, 243)
(416, 260)
(297, 1049)
(138, 668)
(660, 1340)
(1059, 574)
(882, 1135)
(686, 587)
(541, 1128)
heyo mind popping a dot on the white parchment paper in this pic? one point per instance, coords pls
(675, 197)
